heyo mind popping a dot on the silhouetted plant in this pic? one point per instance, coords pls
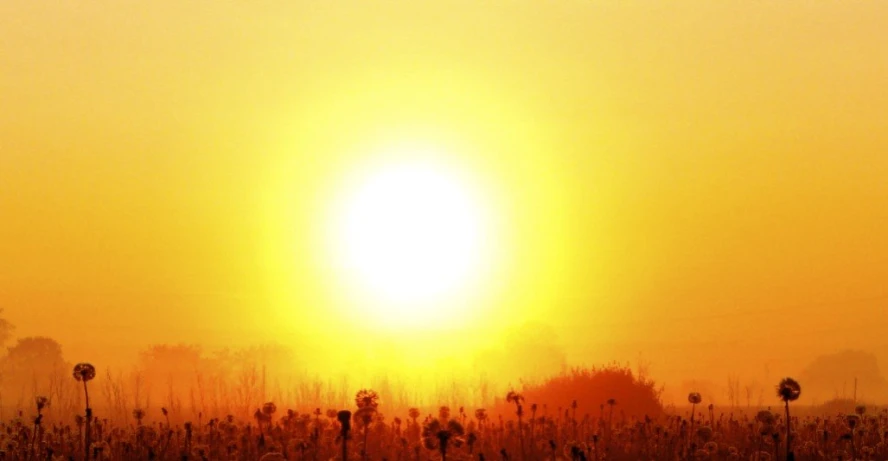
(852, 421)
(364, 417)
(41, 403)
(789, 391)
(85, 372)
(138, 415)
(444, 413)
(694, 398)
(344, 418)
(611, 402)
(437, 435)
(481, 416)
(518, 400)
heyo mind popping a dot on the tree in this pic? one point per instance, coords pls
(6, 329)
(831, 374)
(172, 369)
(32, 360)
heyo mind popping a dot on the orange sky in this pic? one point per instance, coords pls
(704, 184)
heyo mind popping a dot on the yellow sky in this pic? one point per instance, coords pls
(702, 183)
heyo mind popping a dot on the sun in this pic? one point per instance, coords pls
(411, 236)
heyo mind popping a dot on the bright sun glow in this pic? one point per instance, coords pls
(411, 235)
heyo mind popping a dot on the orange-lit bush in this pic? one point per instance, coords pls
(592, 388)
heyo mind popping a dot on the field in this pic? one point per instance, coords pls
(567, 417)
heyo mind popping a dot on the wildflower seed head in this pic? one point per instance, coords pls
(711, 447)
(367, 398)
(344, 418)
(704, 433)
(84, 372)
(788, 390)
(765, 417)
(269, 408)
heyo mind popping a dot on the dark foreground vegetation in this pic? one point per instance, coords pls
(615, 416)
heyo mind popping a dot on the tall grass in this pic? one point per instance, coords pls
(319, 420)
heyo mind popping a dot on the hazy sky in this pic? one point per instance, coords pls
(701, 183)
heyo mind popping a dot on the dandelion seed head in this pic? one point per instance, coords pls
(367, 397)
(84, 372)
(788, 390)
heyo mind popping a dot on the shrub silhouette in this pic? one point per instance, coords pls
(594, 387)
(837, 406)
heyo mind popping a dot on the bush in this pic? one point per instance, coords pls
(592, 388)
